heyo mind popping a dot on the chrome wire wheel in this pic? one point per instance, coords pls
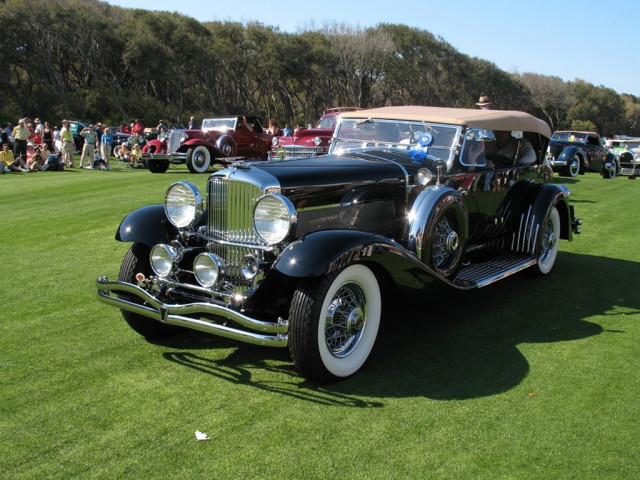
(445, 244)
(345, 320)
(549, 243)
(334, 323)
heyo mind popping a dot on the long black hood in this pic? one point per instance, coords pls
(332, 179)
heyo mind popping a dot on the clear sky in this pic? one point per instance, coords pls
(594, 40)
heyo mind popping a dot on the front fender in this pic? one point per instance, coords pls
(319, 253)
(154, 146)
(215, 151)
(567, 154)
(148, 225)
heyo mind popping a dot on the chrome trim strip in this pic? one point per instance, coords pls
(271, 333)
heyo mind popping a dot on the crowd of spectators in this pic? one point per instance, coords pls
(31, 146)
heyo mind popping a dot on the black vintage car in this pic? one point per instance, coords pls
(294, 253)
(573, 153)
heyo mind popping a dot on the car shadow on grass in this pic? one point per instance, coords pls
(444, 344)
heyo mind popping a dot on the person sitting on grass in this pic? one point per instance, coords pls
(9, 163)
(53, 162)
(135, 155)
(35, 162)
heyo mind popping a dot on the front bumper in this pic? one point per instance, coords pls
(203, 316)
(629, 171)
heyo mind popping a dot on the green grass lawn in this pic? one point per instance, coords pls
(527, 378)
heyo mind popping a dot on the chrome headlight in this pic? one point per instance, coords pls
(183, 204)
(274, 141)
(184, 136)
(207, 268)
(317, 141)
(274, 218)
(163, 258)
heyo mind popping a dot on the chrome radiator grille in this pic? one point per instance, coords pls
(173, 143)
(230, 209)
(230, 205)
(299, 151)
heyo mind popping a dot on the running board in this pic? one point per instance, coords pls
(484, 273)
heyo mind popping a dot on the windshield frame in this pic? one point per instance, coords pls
(219, 123)
(444, 145)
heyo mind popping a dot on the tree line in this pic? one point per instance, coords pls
(88, 60)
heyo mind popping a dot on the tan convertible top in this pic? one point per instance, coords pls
(485, 119)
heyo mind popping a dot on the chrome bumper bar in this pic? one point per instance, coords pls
(272, 334)
(176, 157)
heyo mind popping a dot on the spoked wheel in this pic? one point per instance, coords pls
(137, 261)
(334, 323)
(198, 159)
(444, 242)
(548, 247)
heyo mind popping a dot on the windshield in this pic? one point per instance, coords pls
(327, 122)
(222, 124)
(570, 137)
(358, 134)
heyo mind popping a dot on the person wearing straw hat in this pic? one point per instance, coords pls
(484, 102)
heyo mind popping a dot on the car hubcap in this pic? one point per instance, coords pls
(345, 320)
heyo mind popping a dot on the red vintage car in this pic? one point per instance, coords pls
(221, 140)
(308, 142)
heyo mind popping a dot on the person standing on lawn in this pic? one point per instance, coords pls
(66, 137)
(105, 146)
(89, 148)
(20, 136)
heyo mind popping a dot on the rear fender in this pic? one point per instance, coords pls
(529, 223)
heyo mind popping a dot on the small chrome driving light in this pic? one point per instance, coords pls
(275, 141)
(163, 258)
(317, 141)
(207, 268)
(183, 204)
(251, 267)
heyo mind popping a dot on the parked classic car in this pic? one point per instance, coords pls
(220, 140)
(308, 142)
(573, 153)
(295, 253)
(628, 153)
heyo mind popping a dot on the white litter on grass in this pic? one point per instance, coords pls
(201, 435)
